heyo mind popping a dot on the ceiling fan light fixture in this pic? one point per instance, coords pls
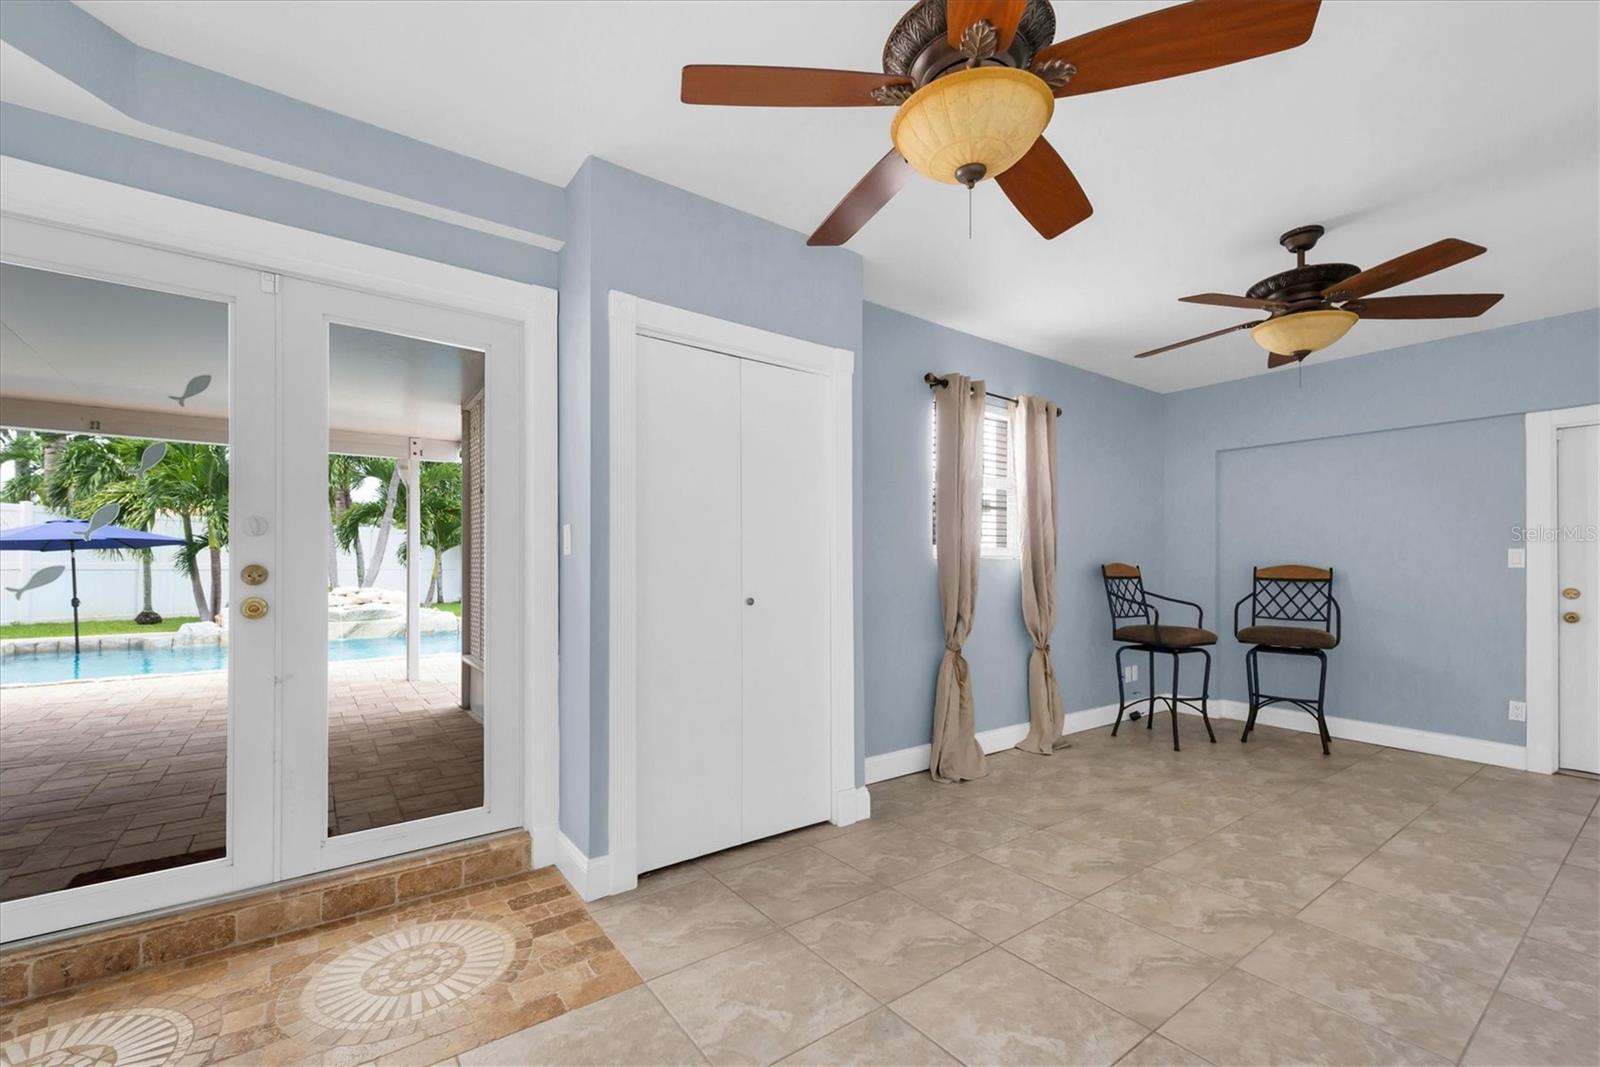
(1303, 331)
(984, 116)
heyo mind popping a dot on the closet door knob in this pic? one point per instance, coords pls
(749, 600)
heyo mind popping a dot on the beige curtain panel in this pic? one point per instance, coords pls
(958, 484)
(1034, 426)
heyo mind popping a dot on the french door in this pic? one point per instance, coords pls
(322, 664)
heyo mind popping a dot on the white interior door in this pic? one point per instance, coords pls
(402, 722)
(785, 630)
(690, 765)
(1578, 574)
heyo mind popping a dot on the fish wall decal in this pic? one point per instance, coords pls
(197, 385)
(104, 515)
(41, 577)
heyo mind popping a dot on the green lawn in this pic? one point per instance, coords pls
(92, 627)
(453, 607)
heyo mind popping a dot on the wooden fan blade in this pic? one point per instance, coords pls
(1181, 40)
(1003, 15)
(1279, 359)
(862, 202)
(783, 86)
(1444, 306)
(1195, 340)
(1045, 191)
(1406, 268)
(1227, 301)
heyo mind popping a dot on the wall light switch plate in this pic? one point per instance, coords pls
(1130, 673)
(1519, 711)
(566, 539)
(1516, 558)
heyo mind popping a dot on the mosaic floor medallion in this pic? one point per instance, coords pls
(407, 974)
(128, 1037)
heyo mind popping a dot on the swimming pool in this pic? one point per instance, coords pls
(28, 668)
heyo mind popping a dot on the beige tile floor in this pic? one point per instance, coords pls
(133, 770)
(1122, 903)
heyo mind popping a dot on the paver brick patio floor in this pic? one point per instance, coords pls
(132, 771)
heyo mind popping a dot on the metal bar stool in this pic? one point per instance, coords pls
(1128, 599)
(1292, 613)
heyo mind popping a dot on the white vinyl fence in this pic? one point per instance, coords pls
(110, 585)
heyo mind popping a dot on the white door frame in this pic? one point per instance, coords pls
(631, 318)
(30, 192)
(1543, 667)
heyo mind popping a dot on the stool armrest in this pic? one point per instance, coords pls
(1200, 612)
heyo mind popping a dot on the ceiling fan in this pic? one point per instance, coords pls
(975, 82)
(1302, 318)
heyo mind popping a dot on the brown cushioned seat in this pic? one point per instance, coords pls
(1170, 636)
(1287, 637)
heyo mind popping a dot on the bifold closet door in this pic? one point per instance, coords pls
(784, 515)
(689, 604)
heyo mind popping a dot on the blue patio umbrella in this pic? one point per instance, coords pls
(66, 535)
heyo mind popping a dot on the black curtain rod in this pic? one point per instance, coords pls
(934, 380)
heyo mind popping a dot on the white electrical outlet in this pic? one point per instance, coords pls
(1516, 558)
(1519, 711)
(1130, 673)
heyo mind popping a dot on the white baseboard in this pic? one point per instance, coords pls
(1453, 746)
(850, 806)
(589, 876)
(906, 761)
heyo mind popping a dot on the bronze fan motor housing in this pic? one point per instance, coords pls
(1301, 286)
(917, 47)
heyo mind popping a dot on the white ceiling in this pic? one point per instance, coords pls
(1397, 124)
(99, 344)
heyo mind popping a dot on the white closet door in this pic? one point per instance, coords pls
(689, 603)
(785, 552)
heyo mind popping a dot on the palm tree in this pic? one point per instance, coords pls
(25, 451)
(379, 512)
(441, 519)
(345, 475)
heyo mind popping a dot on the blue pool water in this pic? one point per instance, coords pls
(122, 662)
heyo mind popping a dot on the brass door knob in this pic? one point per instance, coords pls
(253, 574)
(1571, 616)
(253, 607)
(1571, 593)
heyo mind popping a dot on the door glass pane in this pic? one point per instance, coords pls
(113, 557)
(405, 579)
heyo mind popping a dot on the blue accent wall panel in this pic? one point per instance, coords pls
(1415, 523)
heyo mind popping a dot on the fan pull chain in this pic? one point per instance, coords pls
(969, 212)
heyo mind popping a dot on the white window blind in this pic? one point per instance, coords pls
(999, 498)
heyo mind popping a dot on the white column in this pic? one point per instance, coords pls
(414, 561)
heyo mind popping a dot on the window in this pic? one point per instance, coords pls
(999, 522)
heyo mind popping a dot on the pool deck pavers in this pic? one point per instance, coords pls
(132, 770)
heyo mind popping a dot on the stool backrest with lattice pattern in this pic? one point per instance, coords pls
(1292, 592)
(1125, 592)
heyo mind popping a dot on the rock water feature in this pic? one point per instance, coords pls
(359, 613)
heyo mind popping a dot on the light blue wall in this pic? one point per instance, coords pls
(1109, 480)
(636, 235)
(170, 94)
(1404, 471)
(82, 149)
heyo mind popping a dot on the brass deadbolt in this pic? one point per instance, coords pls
(253, 607)
(253, 574)
(1571, 593)
(1571, 616)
